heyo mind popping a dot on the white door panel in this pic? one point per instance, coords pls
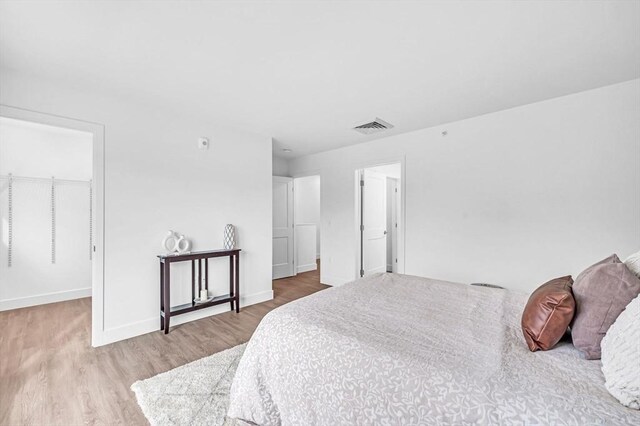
(374, 222)
(283, 265)
(305, 247)
(280, 250)
(392, 225)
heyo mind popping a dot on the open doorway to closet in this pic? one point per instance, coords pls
(379, 219)
(51, 211)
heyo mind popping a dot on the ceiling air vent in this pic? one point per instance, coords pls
(375, 126)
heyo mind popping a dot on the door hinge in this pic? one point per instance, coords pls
(361, 182)
(396, 260)
(361, 227)
(396, 189)
(396, 225)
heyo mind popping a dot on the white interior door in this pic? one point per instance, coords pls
(394, 227)
(374, 223)
(283, 265)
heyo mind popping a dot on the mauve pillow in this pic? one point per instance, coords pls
(548, 313)
(601, 291)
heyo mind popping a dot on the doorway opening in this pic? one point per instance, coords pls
(379, 207)
(51, 210)
(296, 225)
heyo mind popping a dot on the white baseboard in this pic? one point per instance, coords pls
(42, 299)
(128, 331)
(334, 281)
(307, 268)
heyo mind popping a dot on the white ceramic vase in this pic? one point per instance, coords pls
(169, 242)
(229, 237)
(175, 243)
(182, 245)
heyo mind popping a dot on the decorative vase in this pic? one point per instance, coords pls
(176, 243)
(169, 242)
(183, 245)
(229, 237)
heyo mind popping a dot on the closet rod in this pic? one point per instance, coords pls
(37, 179)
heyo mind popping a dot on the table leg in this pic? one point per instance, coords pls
(167, 301)
(237, 289)
(193, 282)
(161, 294)
(199, 276)
(231, 287)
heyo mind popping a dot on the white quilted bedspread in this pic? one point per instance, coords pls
(400, 350)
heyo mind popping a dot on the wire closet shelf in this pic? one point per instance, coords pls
(52, 181)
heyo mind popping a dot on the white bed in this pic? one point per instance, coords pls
(401, 350)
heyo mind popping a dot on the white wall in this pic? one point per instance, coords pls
(156, 179)
(393, 171)
(32, 150)
(307, 204)
(280, 166)
(37, 150)
(514, 198)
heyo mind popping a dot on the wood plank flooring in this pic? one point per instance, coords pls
(50, 374)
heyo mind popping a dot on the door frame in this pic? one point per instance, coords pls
(401, 213)
(98, 167)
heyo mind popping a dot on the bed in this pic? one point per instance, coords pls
(400, 350)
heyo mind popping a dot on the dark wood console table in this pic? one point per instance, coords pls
(167, 311)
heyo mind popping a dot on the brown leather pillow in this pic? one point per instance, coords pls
(548, 313)
(602, 291)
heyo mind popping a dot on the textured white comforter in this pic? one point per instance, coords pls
(400, 350)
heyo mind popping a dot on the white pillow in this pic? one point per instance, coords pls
(633, 263)
(621, 356)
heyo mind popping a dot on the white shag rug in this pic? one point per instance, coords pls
(193, 394)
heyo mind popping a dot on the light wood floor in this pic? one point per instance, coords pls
(50, 375)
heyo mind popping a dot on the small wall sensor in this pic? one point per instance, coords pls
(203, 143)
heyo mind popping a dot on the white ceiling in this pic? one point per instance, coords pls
(307, 72)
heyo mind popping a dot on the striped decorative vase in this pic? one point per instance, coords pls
(229, 237)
